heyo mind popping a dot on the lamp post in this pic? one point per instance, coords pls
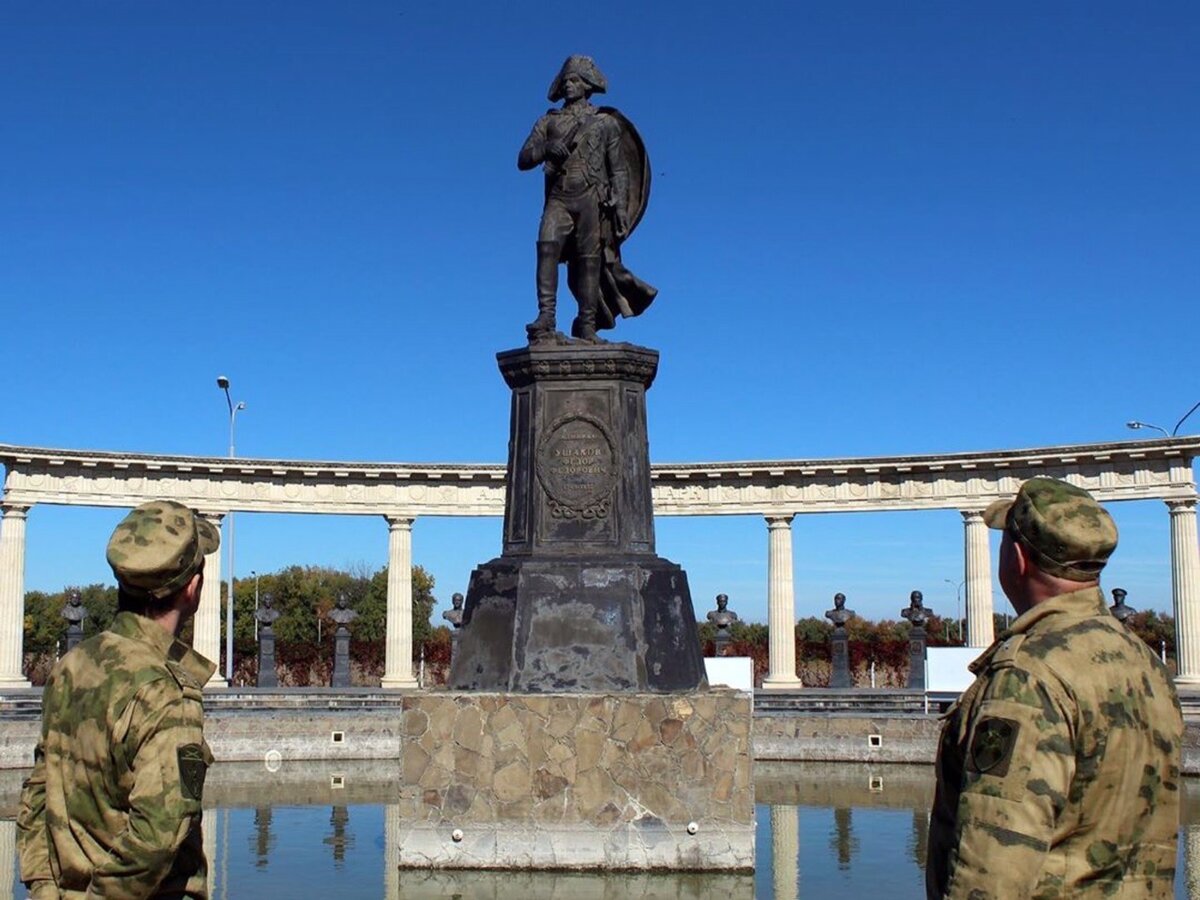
(255, 574)
(957, 604)
(223, 384)
(1135, 424)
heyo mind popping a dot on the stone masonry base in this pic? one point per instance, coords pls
(577, 781)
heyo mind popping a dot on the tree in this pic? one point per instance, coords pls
(45, 628)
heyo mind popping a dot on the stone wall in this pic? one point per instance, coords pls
(846, 737)
(636, 781)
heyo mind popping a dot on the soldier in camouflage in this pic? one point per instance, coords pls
(1058, 768)
(112, 808)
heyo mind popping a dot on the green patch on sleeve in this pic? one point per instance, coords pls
(992, 746)
(192, 769)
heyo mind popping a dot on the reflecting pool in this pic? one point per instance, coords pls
(318, 828)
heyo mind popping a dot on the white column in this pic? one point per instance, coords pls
(978, 576)
(398, 647)
(391, 851)
(785, 851)
(8, 853)
(12, 596)
(206, 630)
(781, 606)
(208, 825)
(1185, 588)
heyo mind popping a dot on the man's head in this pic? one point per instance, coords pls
(1057, 538)
(581, 68)
(158, 550)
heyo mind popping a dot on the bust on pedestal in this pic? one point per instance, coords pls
(454, 615)
(343, 616)
(839, 643)
(722, 617)
(918, 615)
(74, 612)
(266, 616)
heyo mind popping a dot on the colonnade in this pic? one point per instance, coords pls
(779, 492)
(977, 572)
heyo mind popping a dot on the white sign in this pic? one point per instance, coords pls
(732, 671)
(946, 668)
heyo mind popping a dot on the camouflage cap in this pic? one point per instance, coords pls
(158, 547)
(1070, 534)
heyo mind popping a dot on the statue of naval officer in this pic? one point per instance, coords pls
(597, 185)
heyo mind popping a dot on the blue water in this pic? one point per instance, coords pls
(302, 838)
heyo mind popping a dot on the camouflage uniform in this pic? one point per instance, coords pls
(112, 808)
(1058, 769)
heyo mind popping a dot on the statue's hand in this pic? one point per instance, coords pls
(620, 222)
(557, 151)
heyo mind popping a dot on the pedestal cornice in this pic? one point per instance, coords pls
(578, 362)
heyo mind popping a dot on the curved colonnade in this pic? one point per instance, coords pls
(776, 491)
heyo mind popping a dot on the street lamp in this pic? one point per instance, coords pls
(1135, 425)
(255, 574)
(957, 604)
(223, 384)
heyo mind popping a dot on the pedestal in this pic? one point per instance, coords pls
(577, 781)
(74, 635)
(916, 659)
(578, 600)
(267, 676)
(341, 658)
(839, 673)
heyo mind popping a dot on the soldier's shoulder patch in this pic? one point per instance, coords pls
(192, 769)
(992, 745)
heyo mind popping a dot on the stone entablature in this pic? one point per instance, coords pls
(1126, 470)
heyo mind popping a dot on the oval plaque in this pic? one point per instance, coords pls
(577, 464)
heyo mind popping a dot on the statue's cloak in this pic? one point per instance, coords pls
(621, 292)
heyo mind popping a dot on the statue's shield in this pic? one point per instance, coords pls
(637, 164)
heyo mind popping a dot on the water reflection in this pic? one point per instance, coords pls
(316, 828)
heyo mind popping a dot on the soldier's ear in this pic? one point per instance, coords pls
(1021, 561)
(192, 589)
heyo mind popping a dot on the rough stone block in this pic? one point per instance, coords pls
(616, 794)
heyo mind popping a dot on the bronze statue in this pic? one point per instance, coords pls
(454, 615)
(597, 185)
(916, 613)
(839, 615)
(267, 614)
(1119, 609)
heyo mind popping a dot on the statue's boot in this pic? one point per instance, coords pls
(584, 326)
(547, 291)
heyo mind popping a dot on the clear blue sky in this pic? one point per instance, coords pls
(877, 228)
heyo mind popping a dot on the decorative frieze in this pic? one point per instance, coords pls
(1128, 470)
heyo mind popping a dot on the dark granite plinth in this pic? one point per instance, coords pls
(341, 658)
(267, 676)
(839, 673)
(916, 659)
(580, 625)
(578, 600)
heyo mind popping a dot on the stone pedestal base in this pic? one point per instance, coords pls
(599, 624)
(341, 659)
(916, 660)
(839, 673)
(577, 781)
(267, 676)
